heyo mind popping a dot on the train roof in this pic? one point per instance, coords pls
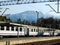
(30, 26)
(3, 22)
(22, 25)
(6, 24)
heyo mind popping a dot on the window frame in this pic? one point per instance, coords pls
(32, 30)
(2, 28)
(7, 28)
(12, 28)
(20, 29)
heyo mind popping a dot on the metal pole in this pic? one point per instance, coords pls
(8, 42)
(18, 33)
(37, 20)
(37, 17)
(53, 30)
(57, 6)
(50, 30)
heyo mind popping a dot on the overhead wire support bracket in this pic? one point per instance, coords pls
(53, 8)
(4, 11)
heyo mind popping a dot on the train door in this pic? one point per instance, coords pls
(40, 33)
(27, 31)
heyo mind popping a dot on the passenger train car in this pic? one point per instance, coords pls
(13, 29)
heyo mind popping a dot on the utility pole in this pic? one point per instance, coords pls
(37, 16)
(37, 20)
(57, 6)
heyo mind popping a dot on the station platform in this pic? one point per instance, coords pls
(30, 41)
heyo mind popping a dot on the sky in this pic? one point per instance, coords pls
(3, 0)
(13, 9)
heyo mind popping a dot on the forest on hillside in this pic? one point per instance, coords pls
(41, 22)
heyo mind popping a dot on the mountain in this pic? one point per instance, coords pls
(28, 15)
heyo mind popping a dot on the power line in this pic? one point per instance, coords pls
(15, 2)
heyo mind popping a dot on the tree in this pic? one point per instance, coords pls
(2, 18)
(8, 20)
(33, 23)
(26, 22)
(19, 21)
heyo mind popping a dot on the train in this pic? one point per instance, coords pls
(14, 29)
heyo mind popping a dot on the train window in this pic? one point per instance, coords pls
(21, 29)
(34, 30)
(31, 30)
(27, 28)
(2, 28)
(7, 28)
(12, 29)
